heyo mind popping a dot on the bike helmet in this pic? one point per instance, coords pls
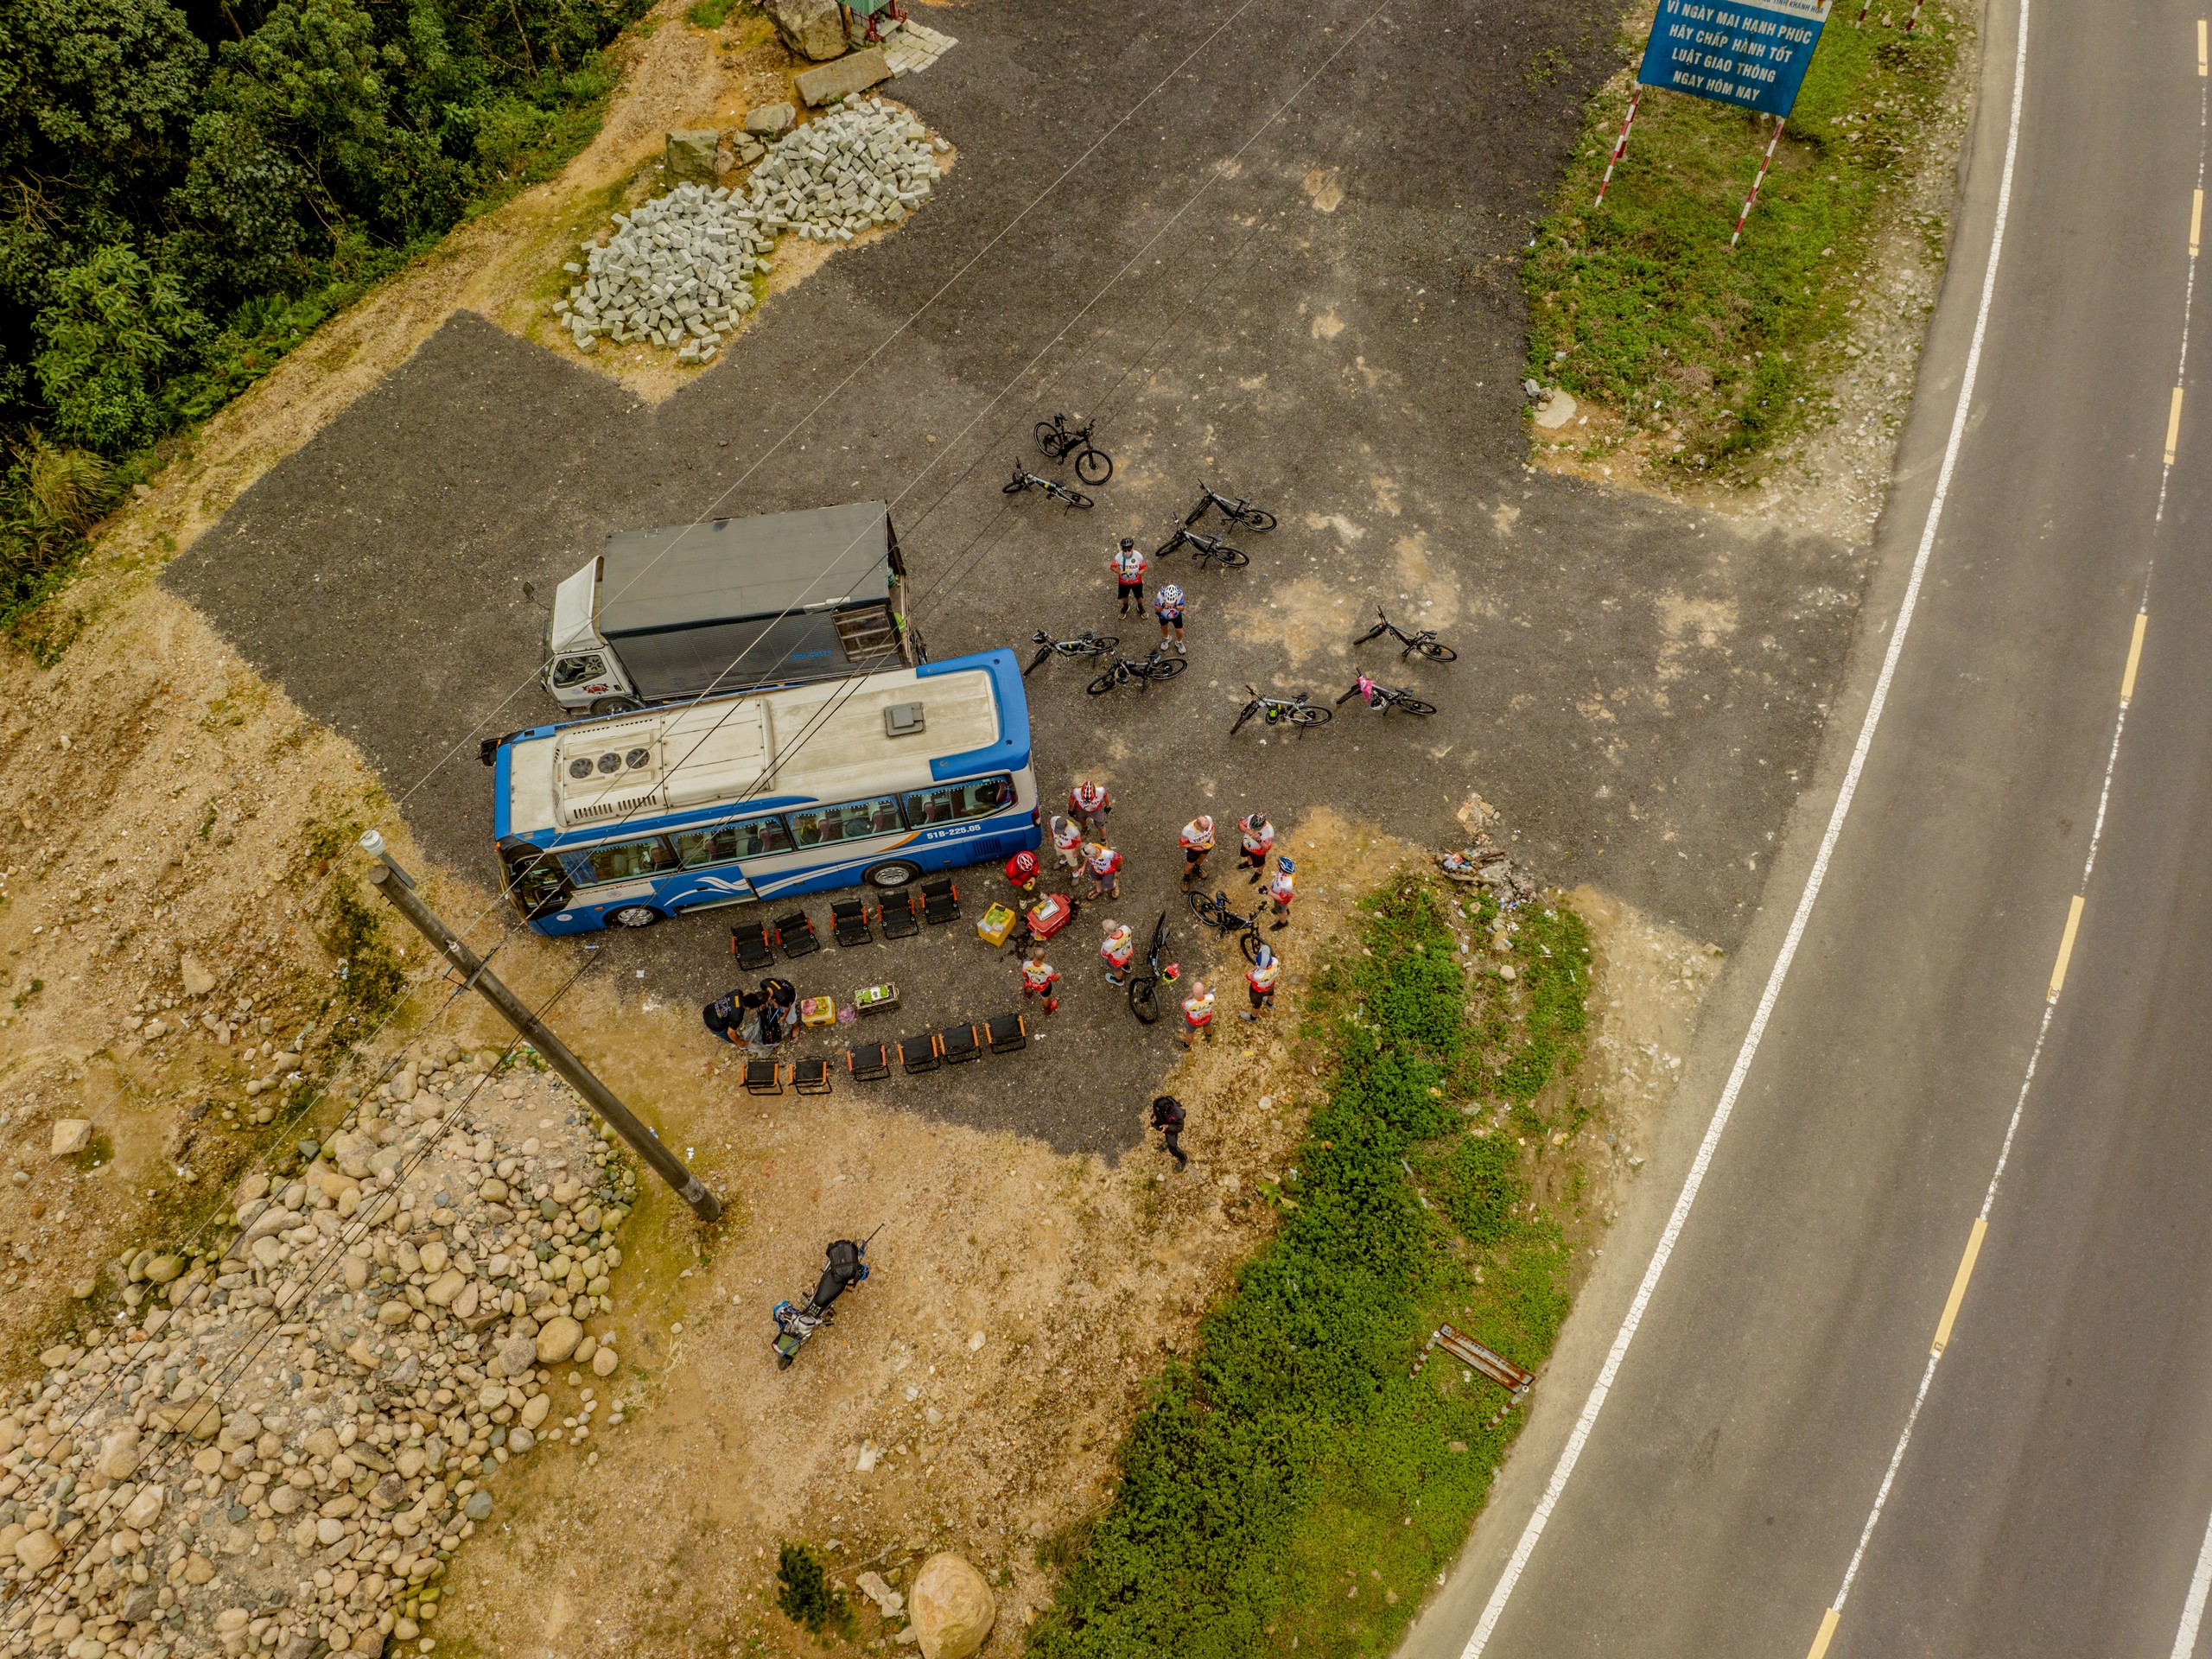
(1171, 596)
(1265, 958)
(1286, 866)
(1128, 541)
(1258, 820)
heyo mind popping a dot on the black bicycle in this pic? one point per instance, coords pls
(1280, 711)
(1058, 441)
(1085, 643)
(1059, 491)
(1158, 665)
(1203, 548)
(1144, 988)
(1215, 913)
(1385, 697)
(1239, 511)
(1424, 642)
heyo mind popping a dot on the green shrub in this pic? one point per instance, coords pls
(1295, 1441)
(802, 1590)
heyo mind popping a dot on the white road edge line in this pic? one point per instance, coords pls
(1571, 1453)
(2200, 1582)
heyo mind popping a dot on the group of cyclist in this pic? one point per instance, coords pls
(1078, 842)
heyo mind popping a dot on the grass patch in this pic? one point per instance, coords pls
(709, 14)
(1718, 354)
(1292, 1486)
(804, 1593)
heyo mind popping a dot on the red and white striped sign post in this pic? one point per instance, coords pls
(1765, 161)
(1620, 145)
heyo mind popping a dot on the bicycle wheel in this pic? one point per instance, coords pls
(1038, 661)
(1257, 522)
(1016, 487)
(1205, 907)
(1309, 716)
(1415, 706)
(1437, 653)
(1144, 999)
(1234, 558)
(1250, 708)
(1076, 499)
(1093, 466)
(1099, 645)
(1375, 632)
(1166, 668)
(1049, 440)
(1102, 684)
(1250, 941)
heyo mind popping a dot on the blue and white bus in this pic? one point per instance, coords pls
(879, 778)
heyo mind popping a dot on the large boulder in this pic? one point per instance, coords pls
(813, 28)
(691, 156)
(558, 1340)
(950, 1607)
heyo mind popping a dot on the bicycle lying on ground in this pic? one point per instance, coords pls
(1058, 441)
(1215, 913)
(1085, 643)
(1201, 549)
(1059, 491)
(1424, 642)
(1237, 511)
(1144, 670)
(1385, 697)
(1144, 988)
(1280, 711)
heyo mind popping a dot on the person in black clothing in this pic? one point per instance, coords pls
(1167, 1118)
(777, 997)
(845, 1268)
(726, 1016)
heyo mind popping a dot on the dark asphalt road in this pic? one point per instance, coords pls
(2055, 1494)
(1640, 692)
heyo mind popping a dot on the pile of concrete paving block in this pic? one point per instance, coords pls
(678, 271)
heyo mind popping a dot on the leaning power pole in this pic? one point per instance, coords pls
(398, 890)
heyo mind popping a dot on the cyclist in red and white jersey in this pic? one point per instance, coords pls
(1128, 567)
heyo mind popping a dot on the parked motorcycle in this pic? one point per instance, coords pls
(847, 1266)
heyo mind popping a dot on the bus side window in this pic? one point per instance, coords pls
(957, 803)
(755, 839)
(629, 860)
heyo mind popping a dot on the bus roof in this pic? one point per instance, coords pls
(830, 740)
(729, 568)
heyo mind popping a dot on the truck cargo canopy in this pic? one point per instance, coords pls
(732, 569)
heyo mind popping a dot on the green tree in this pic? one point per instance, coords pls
(99, 90)
(111, 330)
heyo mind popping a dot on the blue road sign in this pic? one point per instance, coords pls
(1753, 56)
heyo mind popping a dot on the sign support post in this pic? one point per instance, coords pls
(1620, 145)
(1765, 161)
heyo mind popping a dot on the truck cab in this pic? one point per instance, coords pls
(730, 605)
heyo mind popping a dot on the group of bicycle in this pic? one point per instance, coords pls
(1130, 565)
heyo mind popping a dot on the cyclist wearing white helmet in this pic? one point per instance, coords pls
(1168, 608)
(1261, 980)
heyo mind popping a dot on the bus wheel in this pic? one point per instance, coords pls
(897, 874)
(634, 915)
(615, 705)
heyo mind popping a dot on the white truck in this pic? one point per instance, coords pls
(728, 604)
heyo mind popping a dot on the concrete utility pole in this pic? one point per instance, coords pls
(399, 892)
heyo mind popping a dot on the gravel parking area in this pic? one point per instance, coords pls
(1324, 315)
